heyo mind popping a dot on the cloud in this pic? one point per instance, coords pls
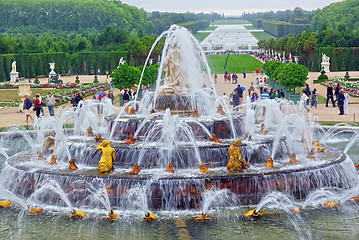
(234, 7)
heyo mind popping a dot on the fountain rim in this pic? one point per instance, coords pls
(209, 177)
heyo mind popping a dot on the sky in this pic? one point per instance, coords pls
(228, 7)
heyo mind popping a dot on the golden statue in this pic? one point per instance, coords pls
(247, 136)
(34, 211)
(203, 168)
(263, 131)
(270, 163)
(169, 168)
(5, 204)
(220, 110)
(112, 216)
(53, 160)
(152, 111)
(297, 210)
(99, 138)
(311, 154)
(196, 114)
(72, 164)
(89, 132)
(132, 111)
(355, 199)
(331, 204)
(149, 217)
(202, 217)
(319, 149)
(77, 214)
(136, 169)
(48, 145)
(236, 162)
(107, 157)
(131, 140)
(293, 159)
(253, 214)
(214, 139)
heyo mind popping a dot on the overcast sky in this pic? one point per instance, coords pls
(228, 7)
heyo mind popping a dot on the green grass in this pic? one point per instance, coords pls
(251, 27)
(229, 21)
(210, 28)
(10, 95)
(201, 36)
(262, 35)
(236, 63)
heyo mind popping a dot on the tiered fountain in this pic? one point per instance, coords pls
(174, 126)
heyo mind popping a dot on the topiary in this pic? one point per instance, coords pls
(77, 81)
(37, 81)
(95, 79)
(323, 77)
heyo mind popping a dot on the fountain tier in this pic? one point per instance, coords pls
(184, 188)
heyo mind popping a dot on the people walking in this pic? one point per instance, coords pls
(341, 99)
(50, 102)
(37, 106)
(27, 106)
(110, 96)
(330, 95)
(303, 100)
(314, 98)
(346, 102)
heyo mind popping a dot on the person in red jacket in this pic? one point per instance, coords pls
(37, 106)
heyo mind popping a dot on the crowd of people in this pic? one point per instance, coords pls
(37, 105)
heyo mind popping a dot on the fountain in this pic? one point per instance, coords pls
(164, 157)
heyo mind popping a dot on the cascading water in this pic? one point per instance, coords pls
(186, 124)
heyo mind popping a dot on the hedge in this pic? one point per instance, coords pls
(36, 64)
(257, 23)
(281, 29)
(194, 26)
(341, 59)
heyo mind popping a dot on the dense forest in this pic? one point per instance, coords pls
(296, 16)
(75, 33)
(337, 15)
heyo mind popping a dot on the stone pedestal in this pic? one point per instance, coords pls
(24, 89)
(14, 76)
(325, 66)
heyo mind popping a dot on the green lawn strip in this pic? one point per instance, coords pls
(210, 28)
(236, 63)
(262, 35)
(250, 27)
(200, 36)
(10, 95)
(229, 21)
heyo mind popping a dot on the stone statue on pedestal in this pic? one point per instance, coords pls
(172, 67)
(325, 63)
(13, 67)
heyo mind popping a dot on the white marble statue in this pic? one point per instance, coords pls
(325, 58)
(13, 67)
(122, 62)
(172, 67)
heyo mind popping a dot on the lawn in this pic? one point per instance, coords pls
(201, 36)
(262, 35)
(236, 63)
(251, 27)
(210, 28)
(10, 95)
(229, 21)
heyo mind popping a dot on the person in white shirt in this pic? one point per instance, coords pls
(50, 102)
(303, 99)
(346, 102)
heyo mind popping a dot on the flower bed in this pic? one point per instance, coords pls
(66, 95)
(351, 87)
(45, 85)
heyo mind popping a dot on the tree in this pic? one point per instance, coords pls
(125, 76)
(293, 75)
